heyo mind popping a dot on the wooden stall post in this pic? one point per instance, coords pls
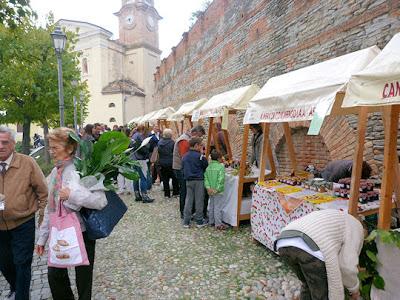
(210, 131)
(182, 126)
(390, 160)
(159, 124)
(289, 142)
(358, 161)
(176, 127)
(242, 170)
(190, 122)
(397, 185)
(266, 153)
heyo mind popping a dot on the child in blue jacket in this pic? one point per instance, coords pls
(194, 165)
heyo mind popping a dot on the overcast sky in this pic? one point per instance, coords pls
(175, 13)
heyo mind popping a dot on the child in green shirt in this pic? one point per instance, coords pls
(214, 181)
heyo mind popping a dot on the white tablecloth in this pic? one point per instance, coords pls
(230, 198)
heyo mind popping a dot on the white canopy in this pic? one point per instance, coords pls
(236, 99)
(161, 114)
(135, 119)
(295, 96)
(146, 117)
(379, 83)
(186, 109)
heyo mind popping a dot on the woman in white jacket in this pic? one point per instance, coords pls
(64, 186)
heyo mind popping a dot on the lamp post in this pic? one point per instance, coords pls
(59, 40)
(81, 102)
(75, 84)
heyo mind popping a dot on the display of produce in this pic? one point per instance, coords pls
(289, 189)
(319, 198)
(367, 191)
(270, 183)
(294, 179)
(317, 184)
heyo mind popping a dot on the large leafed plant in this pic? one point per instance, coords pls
(107, 156)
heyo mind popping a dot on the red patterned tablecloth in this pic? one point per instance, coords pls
(268, 217)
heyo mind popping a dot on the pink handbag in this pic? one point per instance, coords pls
(66, 246)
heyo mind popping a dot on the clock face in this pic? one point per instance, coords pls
(129, 20)
(150, 22)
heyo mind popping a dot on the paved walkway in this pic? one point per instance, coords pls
(150, 256)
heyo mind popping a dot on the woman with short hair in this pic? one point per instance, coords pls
(64, 186)
(165, 153)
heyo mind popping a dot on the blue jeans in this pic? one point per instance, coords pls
(142, 181)
(16, 251)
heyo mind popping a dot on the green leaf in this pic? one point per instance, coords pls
(363, 275)
(386, 237)
(75, 137)
(372, 256)
(371, 236)
(379, 282)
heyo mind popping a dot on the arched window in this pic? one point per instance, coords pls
(112, 120)
(85, 69)
(111, 105)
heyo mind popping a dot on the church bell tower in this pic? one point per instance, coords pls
(138, 23)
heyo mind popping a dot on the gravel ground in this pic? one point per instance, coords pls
(151, 256)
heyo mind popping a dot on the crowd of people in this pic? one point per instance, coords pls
(322, 248)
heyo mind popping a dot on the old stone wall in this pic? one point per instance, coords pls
(236, 43)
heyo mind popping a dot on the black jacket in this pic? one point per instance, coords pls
(165, 152)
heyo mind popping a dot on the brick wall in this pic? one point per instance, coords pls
(236, 43)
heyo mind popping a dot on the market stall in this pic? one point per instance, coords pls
(160, 117)
(185, 113)
(237, 207)
(310, 93)
(376, 86)
(145, 119)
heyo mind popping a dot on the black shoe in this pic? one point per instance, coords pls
(138, 197)
(147, 199)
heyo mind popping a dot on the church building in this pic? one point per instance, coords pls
(120, 73)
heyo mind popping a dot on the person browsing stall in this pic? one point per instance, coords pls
(194, 165)
(181, 147)
(323, 248)
(214, 182)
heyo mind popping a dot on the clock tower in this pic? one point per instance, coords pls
(138, 24)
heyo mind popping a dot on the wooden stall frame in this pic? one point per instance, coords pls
(390, 162)
(212, 132)
(362, 113)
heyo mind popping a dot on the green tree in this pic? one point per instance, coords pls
(13, 12)
(198, 13)
(28, 78)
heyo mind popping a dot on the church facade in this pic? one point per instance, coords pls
(119, 73)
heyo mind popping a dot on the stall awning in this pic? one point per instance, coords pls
(236, 99)
(146, 117)
(162, 114)
(295, 96)
(135, 120)
(379, 83)
(186, 110)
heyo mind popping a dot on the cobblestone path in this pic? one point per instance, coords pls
(151, 256)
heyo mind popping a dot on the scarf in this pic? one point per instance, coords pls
(55, 184)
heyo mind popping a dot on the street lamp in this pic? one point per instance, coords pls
(74, 84)
(59, 41)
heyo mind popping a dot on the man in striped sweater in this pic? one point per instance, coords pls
(323, 249)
